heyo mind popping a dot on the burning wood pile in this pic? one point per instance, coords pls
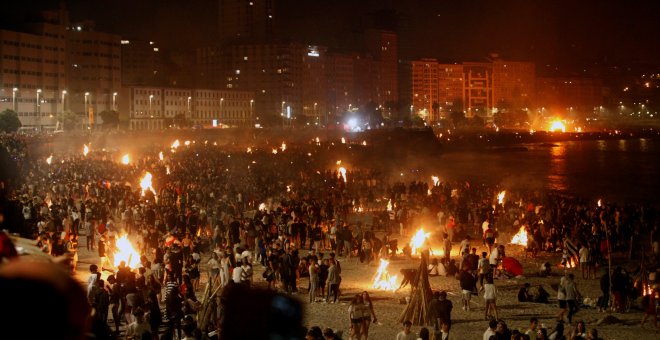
(520, 238)
(383, 280)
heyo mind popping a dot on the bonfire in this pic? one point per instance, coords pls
(125, 252)
(85, 150)
(557, 125)
(175, 145)
(418, 240)
(145, 184)
(520, 238)
(500, 197)
(342, 173)
(125, 159)
(436, 180)
(383, 280)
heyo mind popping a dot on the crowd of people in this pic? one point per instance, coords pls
(217, 211)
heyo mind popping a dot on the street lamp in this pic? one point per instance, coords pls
(13, 99)
(85, 111)
(62, 113)
(282, 112)
(114, 101)
(151, 98)
(221, 101)
(39, 107)
(189, 98)
(251, 110)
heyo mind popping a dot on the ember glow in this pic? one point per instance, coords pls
(274, 151)
(600, 203)
(364, 143)
(418, 240)
(383, 280)
(283, 147)
(338, 162)
(160, 155)
(126, 252)
(389, 205)
(249, 150)
(436, 180)
(570, 263)
(557, 125)
(262, 206)
(343, 140)
(85, 150)
(145, 184)
(175, 144)
(500, 197)
(186, 143)
(49, 160)
(125, 159)
(342, 173)
(520, 238)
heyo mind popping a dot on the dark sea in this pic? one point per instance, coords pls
(614, 170)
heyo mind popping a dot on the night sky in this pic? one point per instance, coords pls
(569, 33)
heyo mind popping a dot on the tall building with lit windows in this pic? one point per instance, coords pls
(478, 89)
(383, 47)
(245, 20)
(513, 85)
(425, 94)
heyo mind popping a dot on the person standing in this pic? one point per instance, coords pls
(440, 310)
(490, 296)
(483, 268)
(333, 281)
(313, 280)
(572, 295)
(406, 334)
(446, 246)
(532, 331)
(468, 284)
(89, 232)
(584, 261)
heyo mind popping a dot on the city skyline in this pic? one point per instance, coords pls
(571, 35)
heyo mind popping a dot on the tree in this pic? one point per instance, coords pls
(457, 118)
(110, 118)
(70, 120)
(9, 121)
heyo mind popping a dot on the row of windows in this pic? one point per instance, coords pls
(29, 86)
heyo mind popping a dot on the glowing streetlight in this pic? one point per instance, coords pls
(39, 107)
(13, 98)
(189, 98)
(85, 110)
(151, 98)
(114, 101)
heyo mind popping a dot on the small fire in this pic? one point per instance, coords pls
(343, 140)
(85, 150)
(175, 144)
(557, 125)
(570, 263)
(318, 140)
(647, 290)
(339, 162)
(167, 170)
(389, 205)
(186, 143)
(520, 238)
(418, 240)
(358, 209)
(283, 147)
(288, 188)
(436, 180)
(262, 206)
(429, 192)
(160, 155)
(249, 150)
(342, 173)
(383, 280)
(126, 252)
(274, 151)
(199, 231)
(500, 197)
(49, 160)
(364, 143)
(600, 203)
(125, 159)
(145, 183)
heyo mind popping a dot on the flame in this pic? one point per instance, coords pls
(500, 197)
(199, 231)
(647, 289)
(186, 143)
(262, 206)
(288, 188)
(383, 280)
(160, 155)
(418, 240)
(557, 125)
(436, 180)
(342, 173)
(145, 183)
(343, 140)
(570, 263)
(338, 162)
(389, 205)
(249, 150)
(318, 140)
(283, 147)
(49, 160)
(358, 209)
(126, 252)
(600, 203)
(520, 238)
(85, 150)
(167, 169)
(274, 151)
(175, 144)
(364, 142)
(125, 159)
(429, 192)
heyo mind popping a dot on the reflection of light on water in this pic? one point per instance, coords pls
(557, 174)
(643, 145)
(623, 145)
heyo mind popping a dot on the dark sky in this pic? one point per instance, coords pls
(566, 32)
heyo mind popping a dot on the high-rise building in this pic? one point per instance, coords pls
(93, 77)
(568, 95)
(383, 47)
(341, 84)
(315, 85)
(140, 63)
(513, 85)
(450, 88)
(425, 92)
(245, 20)
(478, 90)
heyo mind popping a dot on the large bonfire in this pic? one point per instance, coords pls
(126, 253)
(520, 238)
(383, 280)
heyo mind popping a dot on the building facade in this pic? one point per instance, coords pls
(245, 21)
(383, 47)
(567, 95)
(513, 85)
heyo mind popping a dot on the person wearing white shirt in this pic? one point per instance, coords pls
(492, 325)
(406, 334)
(490, 296)
(237, 274)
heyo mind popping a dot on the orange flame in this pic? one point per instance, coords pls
(383, 280)
(175, 144)
(520, 238)
(343, 140)
(126, 252)
(364, 143)
(249, 150)
(436, 180)
(557, 125)
(125, 159)
(160, 155)
(85, 150)
(49, 160)
(274, 151)
(283, 147)
(342, 173)
(389, 205)
(145, 183)
(500, 197)
(418, 240)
